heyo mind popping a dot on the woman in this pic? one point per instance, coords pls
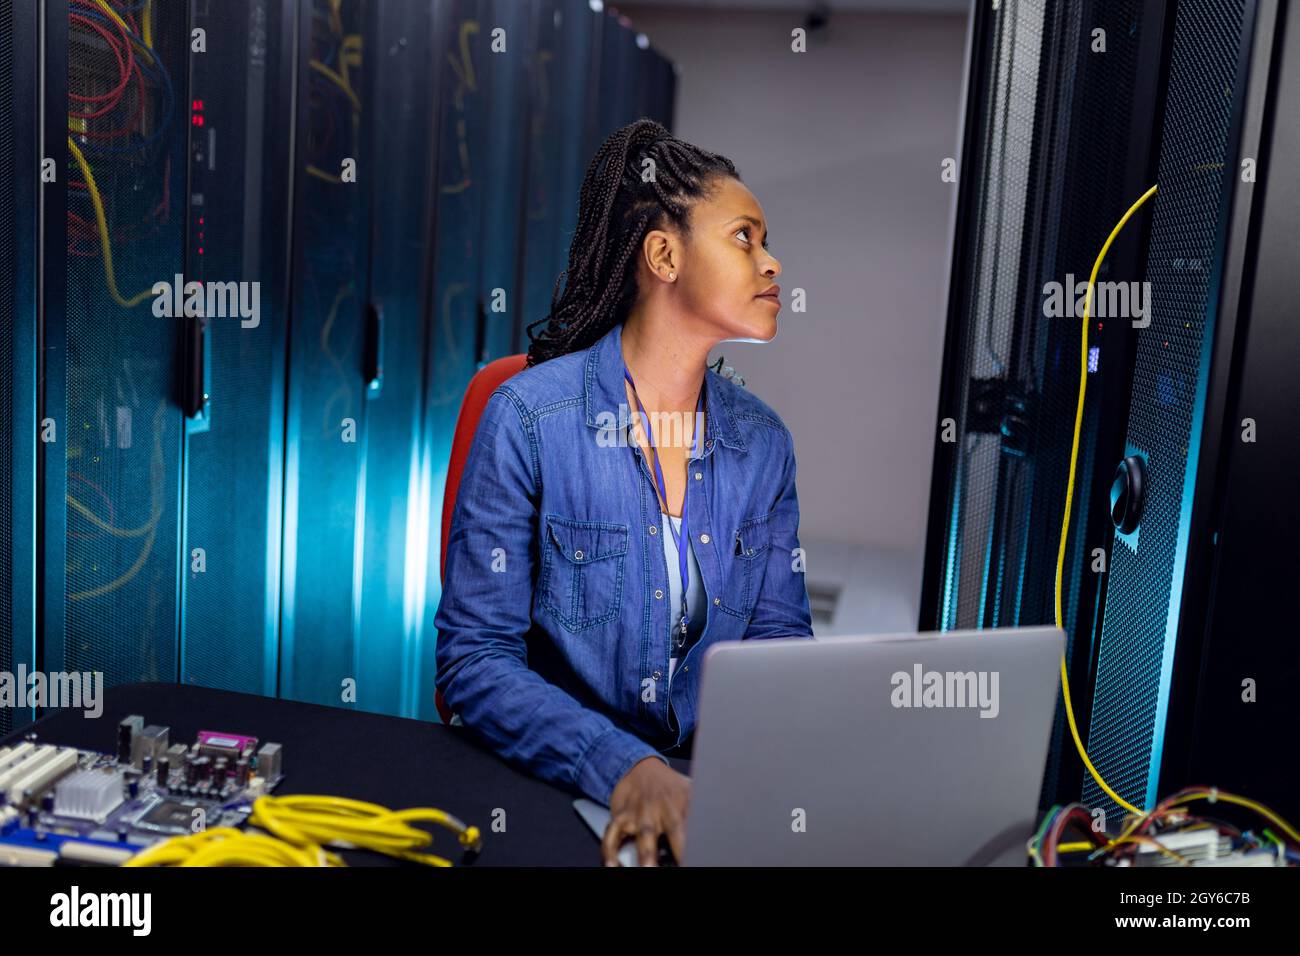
(564, 639)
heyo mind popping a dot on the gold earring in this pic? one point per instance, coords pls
(672, 275)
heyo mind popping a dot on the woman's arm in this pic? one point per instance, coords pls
(782, 608)
(486, 611)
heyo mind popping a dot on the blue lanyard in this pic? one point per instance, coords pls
(684, 535)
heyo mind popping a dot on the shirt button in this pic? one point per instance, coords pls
(717, 600)
(699, 475)
(658, 593)
(577, 555)
(656, 675)
(654, 530)
(686, 668)
(704, 539)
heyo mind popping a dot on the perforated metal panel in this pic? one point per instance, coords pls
(121, 424)
(238, 218)
(325, 431)
(993, 298)
(8, 279)
(1144, 588)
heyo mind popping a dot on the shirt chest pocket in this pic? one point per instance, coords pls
(746, 563)
(582, 571)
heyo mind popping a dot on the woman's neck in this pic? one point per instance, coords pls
(668, 367)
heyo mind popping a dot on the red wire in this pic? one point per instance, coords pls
(138, 119)
(123, 67)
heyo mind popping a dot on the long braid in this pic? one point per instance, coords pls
(616, 209)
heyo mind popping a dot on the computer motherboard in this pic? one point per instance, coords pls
(64, 806)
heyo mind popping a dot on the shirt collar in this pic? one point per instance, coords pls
(605, 393)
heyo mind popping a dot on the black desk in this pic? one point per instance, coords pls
(393, 761)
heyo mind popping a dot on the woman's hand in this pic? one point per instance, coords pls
(650, 800)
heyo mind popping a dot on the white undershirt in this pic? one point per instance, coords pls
(694, 593)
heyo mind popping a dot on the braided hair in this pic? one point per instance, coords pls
(615, 211)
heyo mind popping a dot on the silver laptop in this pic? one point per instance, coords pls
(885, 750)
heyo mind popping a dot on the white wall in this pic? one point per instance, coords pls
(842, 145)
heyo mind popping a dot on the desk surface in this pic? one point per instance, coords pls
(393, 761)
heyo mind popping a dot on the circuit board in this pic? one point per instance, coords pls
(64, 806)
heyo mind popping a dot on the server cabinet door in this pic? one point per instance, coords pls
(19, 176)
(112, 459)
(1199, 130)
(241, 116)
(325, 419)
(402, 90)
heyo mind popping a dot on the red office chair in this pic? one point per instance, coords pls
(481, 386)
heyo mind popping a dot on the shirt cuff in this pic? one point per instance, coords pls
(608, 760)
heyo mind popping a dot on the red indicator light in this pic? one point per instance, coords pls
(197, 119)
(198, 104)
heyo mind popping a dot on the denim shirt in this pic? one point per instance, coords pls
(553, 628)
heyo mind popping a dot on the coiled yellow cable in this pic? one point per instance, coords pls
(311, 820)
(226, 846)
(299, 828)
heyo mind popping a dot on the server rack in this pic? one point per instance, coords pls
(250, 504)
(1056, 144)
(1195, 94)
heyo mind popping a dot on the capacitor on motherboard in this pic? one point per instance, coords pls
(219, 770)
(164, 767)
(127, 731)
(241, 772)
(132, 778)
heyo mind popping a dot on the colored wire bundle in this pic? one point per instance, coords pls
(132, 49)
(1170, 816)
(1045, 844)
